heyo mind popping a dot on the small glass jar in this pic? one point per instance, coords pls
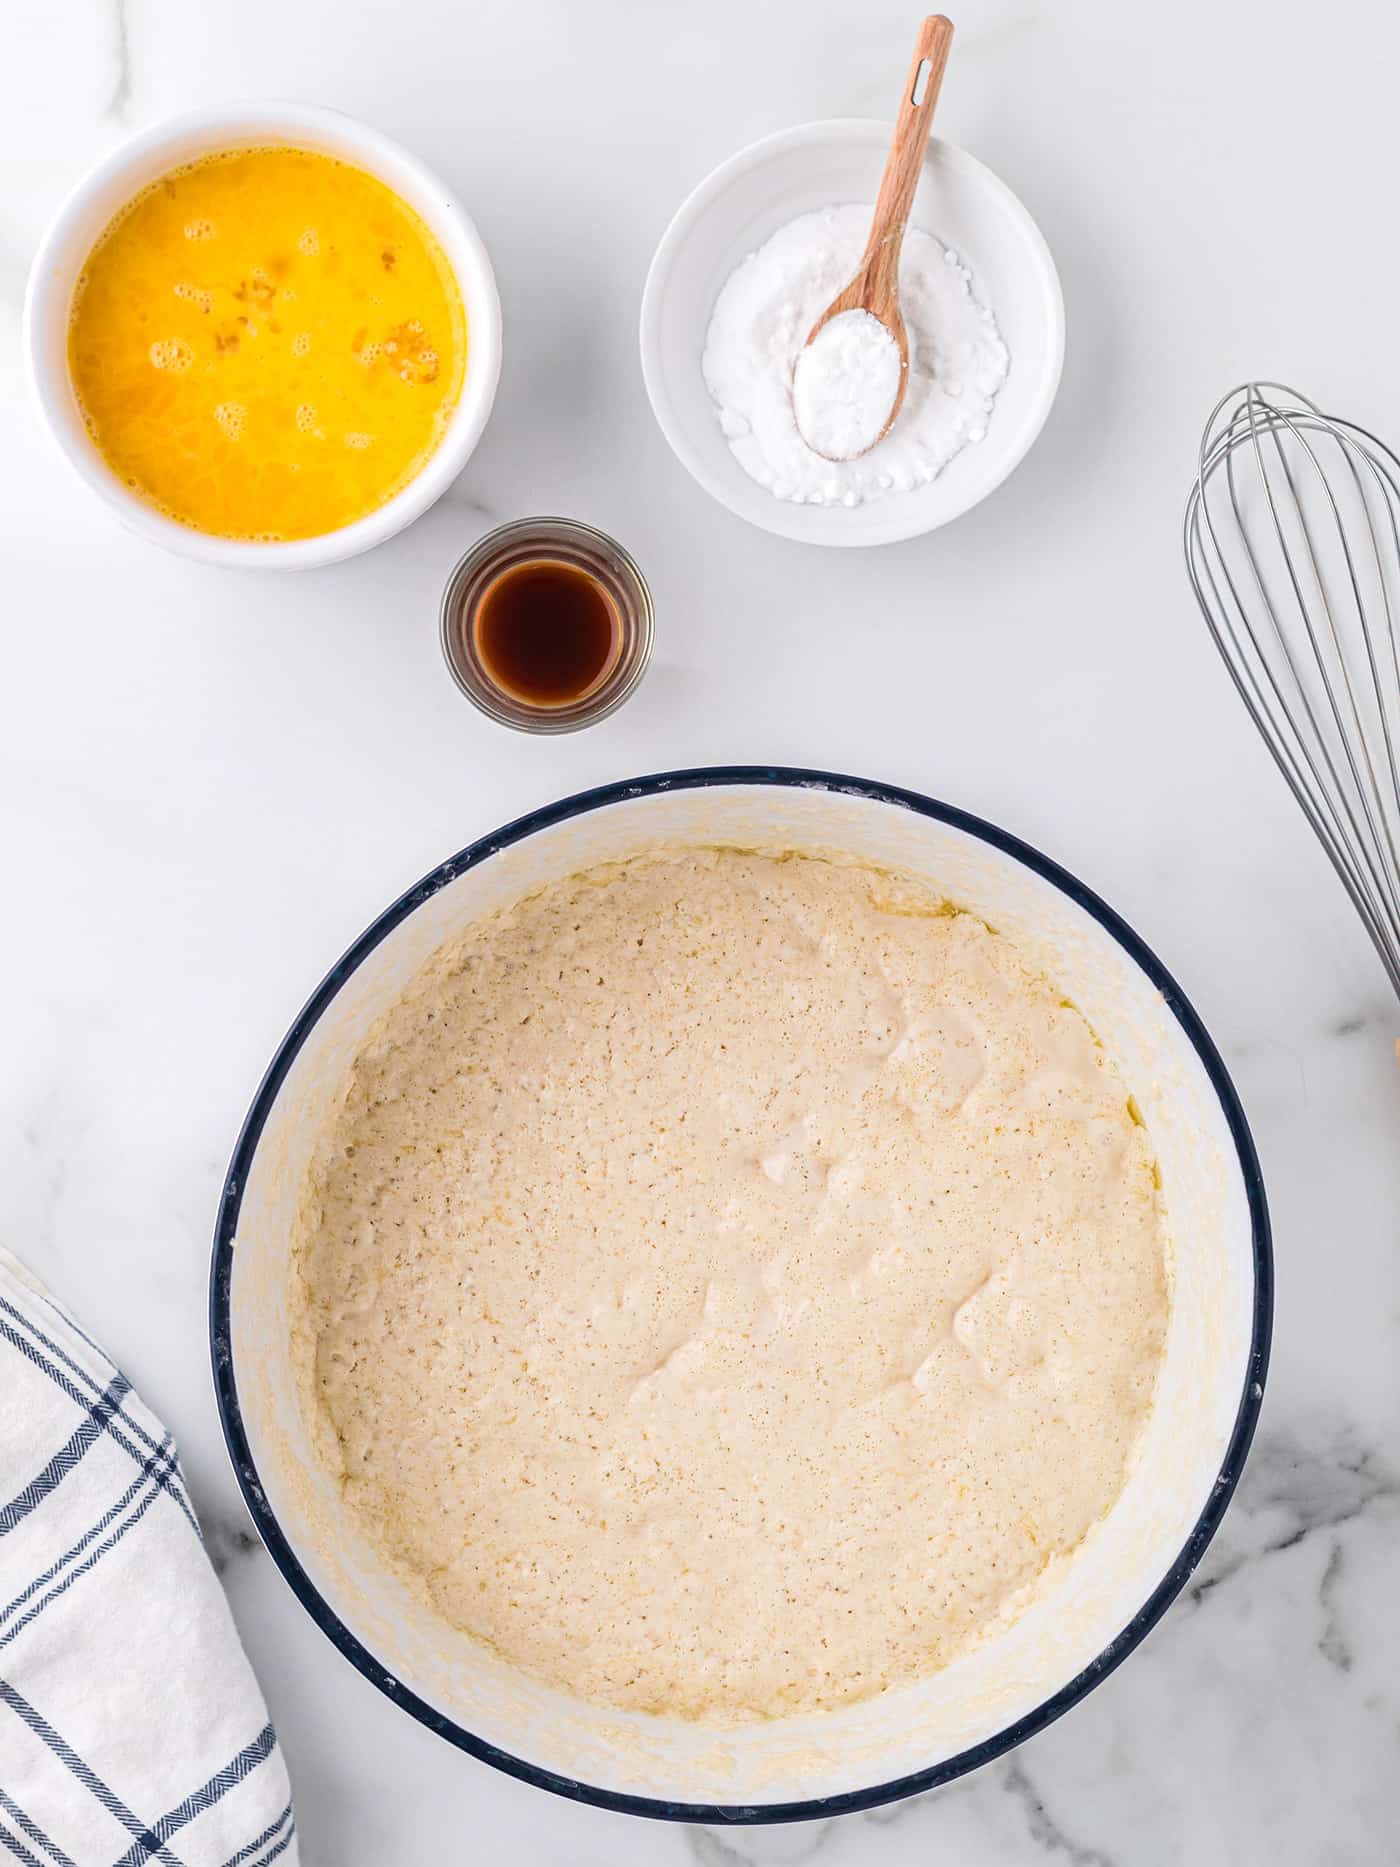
(547, 541)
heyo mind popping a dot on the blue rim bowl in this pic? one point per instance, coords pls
(820, 1807)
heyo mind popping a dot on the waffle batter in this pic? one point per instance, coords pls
(728, 1282)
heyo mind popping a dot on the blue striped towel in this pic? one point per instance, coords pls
(131, 1727)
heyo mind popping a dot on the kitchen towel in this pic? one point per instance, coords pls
(131, 1727)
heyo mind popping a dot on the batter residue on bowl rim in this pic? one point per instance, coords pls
(729, 1282)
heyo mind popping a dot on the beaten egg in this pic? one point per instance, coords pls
(267, 344)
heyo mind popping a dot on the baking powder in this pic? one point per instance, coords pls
(761, 321)
(844, 385)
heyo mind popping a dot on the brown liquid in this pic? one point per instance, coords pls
(546, 632)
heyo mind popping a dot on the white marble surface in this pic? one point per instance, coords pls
(209, 783)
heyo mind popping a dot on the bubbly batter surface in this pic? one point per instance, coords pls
(728, 1283)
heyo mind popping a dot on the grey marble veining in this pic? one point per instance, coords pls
(209, 784)
(1296, 1487)
(229, 1537)
(119, 104)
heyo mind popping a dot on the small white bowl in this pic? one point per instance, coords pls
(737, 208)
(155, 152)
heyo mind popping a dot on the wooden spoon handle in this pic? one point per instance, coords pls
(901, 176)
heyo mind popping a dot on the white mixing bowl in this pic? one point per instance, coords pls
(1131, 1566)
(87, 211)
(745, 201)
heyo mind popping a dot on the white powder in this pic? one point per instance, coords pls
(761, 320)
(844, 385)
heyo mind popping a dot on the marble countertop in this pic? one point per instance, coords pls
(210, 782)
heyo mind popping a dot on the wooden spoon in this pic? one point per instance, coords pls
(875, 287)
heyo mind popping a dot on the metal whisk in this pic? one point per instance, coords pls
(1293, 548)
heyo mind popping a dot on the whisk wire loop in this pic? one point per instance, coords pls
(1292, 542)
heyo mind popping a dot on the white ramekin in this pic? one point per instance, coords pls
(154, 152)
(745, 201)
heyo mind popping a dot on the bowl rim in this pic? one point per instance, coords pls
(848, 1801)
(254, 121)
(782, 521)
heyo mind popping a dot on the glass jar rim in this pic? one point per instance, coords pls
(561, 540)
